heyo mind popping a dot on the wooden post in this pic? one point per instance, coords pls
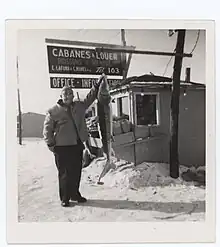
(123, 54)
(127, 61)
(188, 72)
(134, 123)
(19, 120)
(128, 64)
(19, 109)
(125, 72)
(174, 156)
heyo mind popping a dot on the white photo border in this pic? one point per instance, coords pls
(114, 232)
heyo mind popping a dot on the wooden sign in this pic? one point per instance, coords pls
(72, 60)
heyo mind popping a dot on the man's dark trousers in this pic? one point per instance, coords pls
(68, 160)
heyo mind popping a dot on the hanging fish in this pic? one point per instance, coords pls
(104, 109)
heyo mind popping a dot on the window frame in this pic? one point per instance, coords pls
(158, 120)
(122, 95)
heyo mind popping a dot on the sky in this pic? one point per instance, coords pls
(34, 78)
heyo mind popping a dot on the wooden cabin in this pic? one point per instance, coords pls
(146, 102)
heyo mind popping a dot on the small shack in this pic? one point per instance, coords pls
(145, 102)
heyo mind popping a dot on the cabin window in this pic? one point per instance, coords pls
(147, 109)
(123, 106)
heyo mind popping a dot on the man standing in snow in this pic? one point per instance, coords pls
(64, 132)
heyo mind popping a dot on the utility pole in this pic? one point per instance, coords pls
(127, 61)
(124, 54)
(125, 72)
(174, 121)
(19, 109)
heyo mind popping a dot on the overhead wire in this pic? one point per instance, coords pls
(194, 47)
(165, 70)
(197, 39)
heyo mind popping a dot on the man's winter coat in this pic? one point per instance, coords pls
(59, 129)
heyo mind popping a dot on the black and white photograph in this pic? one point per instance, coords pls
(111, 124)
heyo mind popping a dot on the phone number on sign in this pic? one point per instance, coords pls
(109, 70)
(79, 69)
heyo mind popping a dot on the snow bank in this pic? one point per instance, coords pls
(126, 175)
(154, 174)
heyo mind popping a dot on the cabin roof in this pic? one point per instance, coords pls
(152, 81)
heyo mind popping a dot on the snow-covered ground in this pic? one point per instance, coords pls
(143, 193)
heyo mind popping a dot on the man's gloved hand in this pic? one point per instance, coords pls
(96, 84)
